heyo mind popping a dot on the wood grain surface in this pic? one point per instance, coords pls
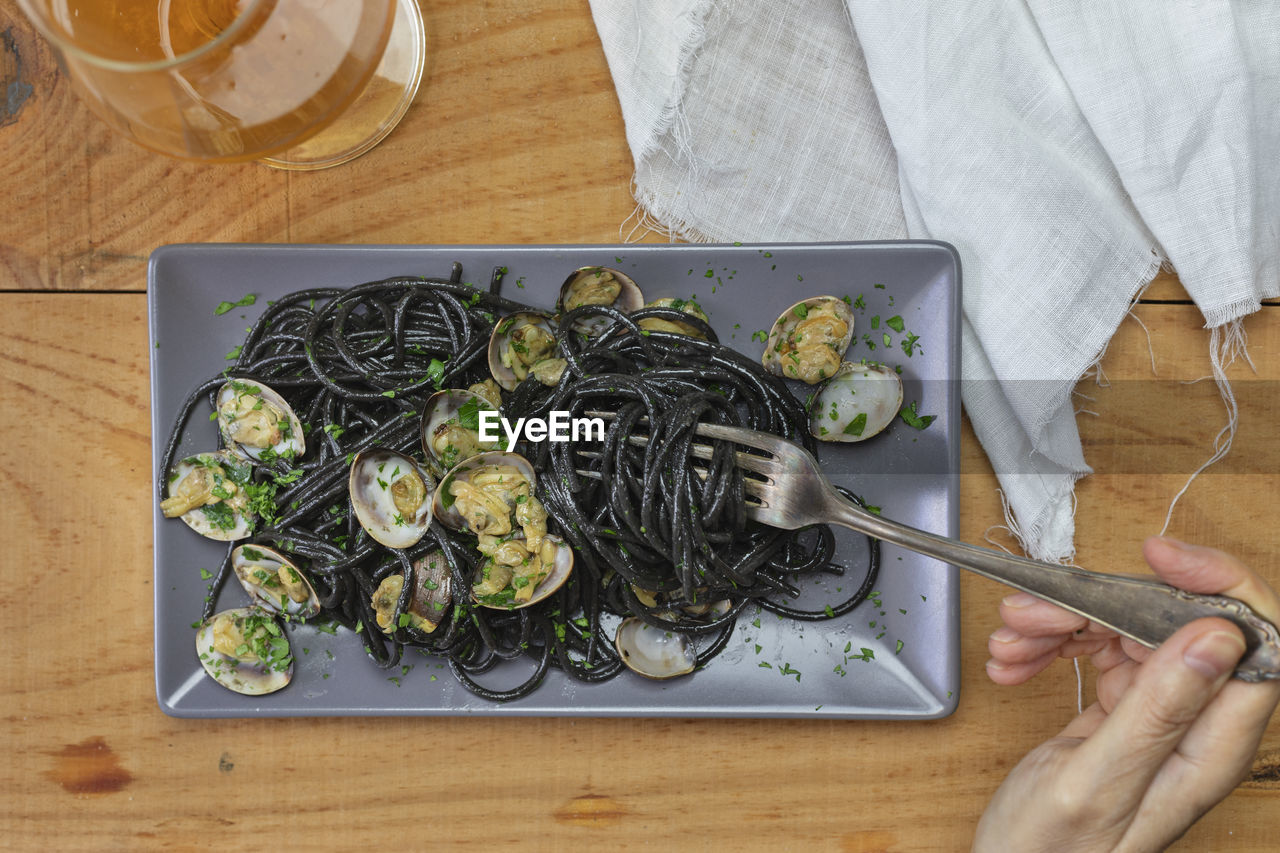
(516, 137)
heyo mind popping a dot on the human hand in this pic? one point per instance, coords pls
(1169, 736)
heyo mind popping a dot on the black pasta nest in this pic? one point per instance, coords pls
(358, 364)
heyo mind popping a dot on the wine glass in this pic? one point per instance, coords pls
(297, 84)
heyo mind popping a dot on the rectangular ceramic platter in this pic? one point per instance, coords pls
(911, 627)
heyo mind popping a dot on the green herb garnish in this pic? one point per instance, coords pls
(246, 300)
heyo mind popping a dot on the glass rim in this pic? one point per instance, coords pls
(42, 22)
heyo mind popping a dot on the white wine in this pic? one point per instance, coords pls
(219, 80)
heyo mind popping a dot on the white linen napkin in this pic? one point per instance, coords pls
(1067, 149)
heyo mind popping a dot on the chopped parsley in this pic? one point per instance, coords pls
(912, 417)
(857, 425)
(244, 301)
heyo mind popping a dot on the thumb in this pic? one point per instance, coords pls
(1168, 693)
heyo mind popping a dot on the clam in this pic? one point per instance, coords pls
(515, 576)
(489, 390)
(549, 370)
(208, 491)
(427, 605)
(859, 401)
(652, 600)
(598, 286)
(256, 423)
(490, 487)
(391, 496)
(687, 306)
(808, 341)
(653, 652)
(519, 342)
(492, 496)
(245, 650)
(451, 425)
(274, 582)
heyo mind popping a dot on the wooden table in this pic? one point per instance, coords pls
(516, 137)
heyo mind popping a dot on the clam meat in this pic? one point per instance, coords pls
(655, 600)
(245, 650)
(518, 343)
(808, 341)
(451, 426)
(491, 495)
(428, 604)
(391, 496)
(274, 582)
(516, 574)
(256, 423)
(598, 286)
(209, 492)
(857, 402)
(675, 327)
(489, 390)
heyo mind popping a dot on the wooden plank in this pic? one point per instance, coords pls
(90, 754)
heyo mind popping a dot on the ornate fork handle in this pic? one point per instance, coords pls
(1144, 610)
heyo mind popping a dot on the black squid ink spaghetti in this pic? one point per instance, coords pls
(658, 536)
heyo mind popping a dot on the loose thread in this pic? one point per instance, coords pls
(1227, 342)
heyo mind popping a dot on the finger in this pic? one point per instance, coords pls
(1008, 646)
(1233, 724)
(1218, 750)
(1196, 568)
(1134, 649)
(1007, 674)
(1114, 683)
(1031, 617)
(1087, 723)
(1151, 717)
(1083, 644)
(1109, 656)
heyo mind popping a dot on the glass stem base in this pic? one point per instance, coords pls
(377, 110)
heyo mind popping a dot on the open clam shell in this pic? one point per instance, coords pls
(519, 341)
(653, 652)
(598, 286)
(559, 569)
(684, 306)
(274, 582)
(443, 502)
(451, 424)
(808, 341)
(207, 491)
(258, 424)
(859, 401)
(708, 609)
(245, 650)
(428, 604)
(391, 495)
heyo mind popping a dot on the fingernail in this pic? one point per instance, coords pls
(1005, 634)
(1214, 655)
(995, 664)
(1019, 599)
(1177, 544)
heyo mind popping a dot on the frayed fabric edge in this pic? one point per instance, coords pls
(1030, 533)
(1227, 342)
(673, 109)
(651, 215)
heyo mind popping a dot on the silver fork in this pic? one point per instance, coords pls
(790, 491)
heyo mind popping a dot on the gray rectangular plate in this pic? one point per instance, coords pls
(771, 667)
